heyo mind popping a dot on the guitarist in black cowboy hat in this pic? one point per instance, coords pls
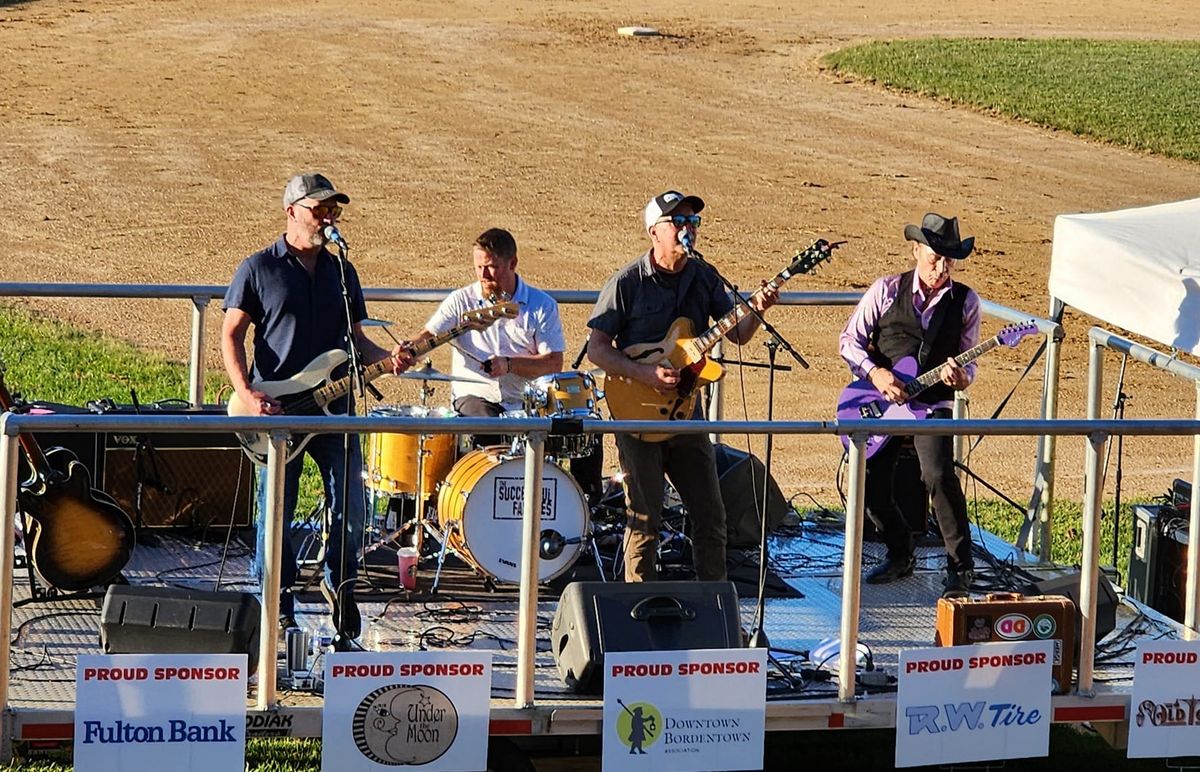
(925, 314)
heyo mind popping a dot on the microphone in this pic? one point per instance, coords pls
(332, 235)
(688, 242)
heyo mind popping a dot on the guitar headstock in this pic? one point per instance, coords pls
(1012, 334)
(489, 314)
(805, 260)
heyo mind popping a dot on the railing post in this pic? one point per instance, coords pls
(196, 364)
(1044, 476)
(531, 520)
(961, 404)
(9, 484)
(272, 521)
(1193, 552)
(852, 567)
(1089, 579)
(716, 393)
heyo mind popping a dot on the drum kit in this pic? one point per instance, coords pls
(471, 499)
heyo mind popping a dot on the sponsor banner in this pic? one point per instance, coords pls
(389, 709)
(684, 710)
(160, 711)
(1164, 712)
(974, 703)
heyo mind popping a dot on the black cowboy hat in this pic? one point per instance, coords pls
(941, 235)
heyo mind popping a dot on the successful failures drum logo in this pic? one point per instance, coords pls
(402, 724)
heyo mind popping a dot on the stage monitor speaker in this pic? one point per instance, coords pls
(741, 476)
(1068, 585)
(154, 620)
(598, 617)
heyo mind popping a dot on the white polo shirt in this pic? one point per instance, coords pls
(537, 329)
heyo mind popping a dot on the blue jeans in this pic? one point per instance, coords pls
(326, 451)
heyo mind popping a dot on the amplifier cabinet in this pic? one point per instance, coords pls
(1158, 558)
(185, 478)
(1012, 617)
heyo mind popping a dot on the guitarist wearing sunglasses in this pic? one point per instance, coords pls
(922, 314)
(292, 294)
(641, 304)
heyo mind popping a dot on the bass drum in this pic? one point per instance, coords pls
(480, 507)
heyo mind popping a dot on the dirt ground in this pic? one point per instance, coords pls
(148, 142)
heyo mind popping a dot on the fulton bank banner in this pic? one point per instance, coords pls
(160, 711)
(679, 711)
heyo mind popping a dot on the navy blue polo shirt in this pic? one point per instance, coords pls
(296, 317)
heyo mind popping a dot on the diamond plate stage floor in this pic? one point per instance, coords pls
(49, 635)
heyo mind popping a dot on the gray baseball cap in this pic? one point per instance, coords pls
(314, 186)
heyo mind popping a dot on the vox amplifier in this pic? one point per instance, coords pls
(1005, 616)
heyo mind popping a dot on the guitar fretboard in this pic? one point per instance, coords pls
(927, 379)
(336, 389)
(804, 262)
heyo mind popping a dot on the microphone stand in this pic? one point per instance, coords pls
(758, 638)
(341, 641)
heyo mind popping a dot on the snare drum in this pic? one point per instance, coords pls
(392, 458)
(480, 507)
(564, 395)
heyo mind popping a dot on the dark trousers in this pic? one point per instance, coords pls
(936, 456)
(688, 461)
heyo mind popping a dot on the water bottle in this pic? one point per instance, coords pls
(323, 638)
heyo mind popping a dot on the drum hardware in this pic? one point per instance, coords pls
(427, 372)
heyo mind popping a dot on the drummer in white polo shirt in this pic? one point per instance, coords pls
(510, 352)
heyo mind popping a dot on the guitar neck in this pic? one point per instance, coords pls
(713, 335)
(927, 379)
(802, 262)
(338, 388)
(37, 459)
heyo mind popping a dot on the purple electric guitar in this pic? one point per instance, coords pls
(862, 400)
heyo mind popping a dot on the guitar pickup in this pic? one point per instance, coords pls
(871, 410)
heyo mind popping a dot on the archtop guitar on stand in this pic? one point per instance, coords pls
(78, 537)
(311, 391)
(862, 400)
(633, 400)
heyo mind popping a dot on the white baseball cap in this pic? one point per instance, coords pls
(665, 203)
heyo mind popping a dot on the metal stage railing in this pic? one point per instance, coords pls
(1096, 434)
(1040, 510)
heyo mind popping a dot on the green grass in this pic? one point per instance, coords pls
(1139, 94)
(1067, 532)
(50, 361)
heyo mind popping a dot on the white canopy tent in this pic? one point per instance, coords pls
(1137, 269)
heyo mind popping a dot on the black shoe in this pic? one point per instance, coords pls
(891, 569)
(346, 619)
(957, 583)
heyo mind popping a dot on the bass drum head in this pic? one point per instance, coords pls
(483, 497)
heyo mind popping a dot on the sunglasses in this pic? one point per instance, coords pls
(680, 220)
(321, 211)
